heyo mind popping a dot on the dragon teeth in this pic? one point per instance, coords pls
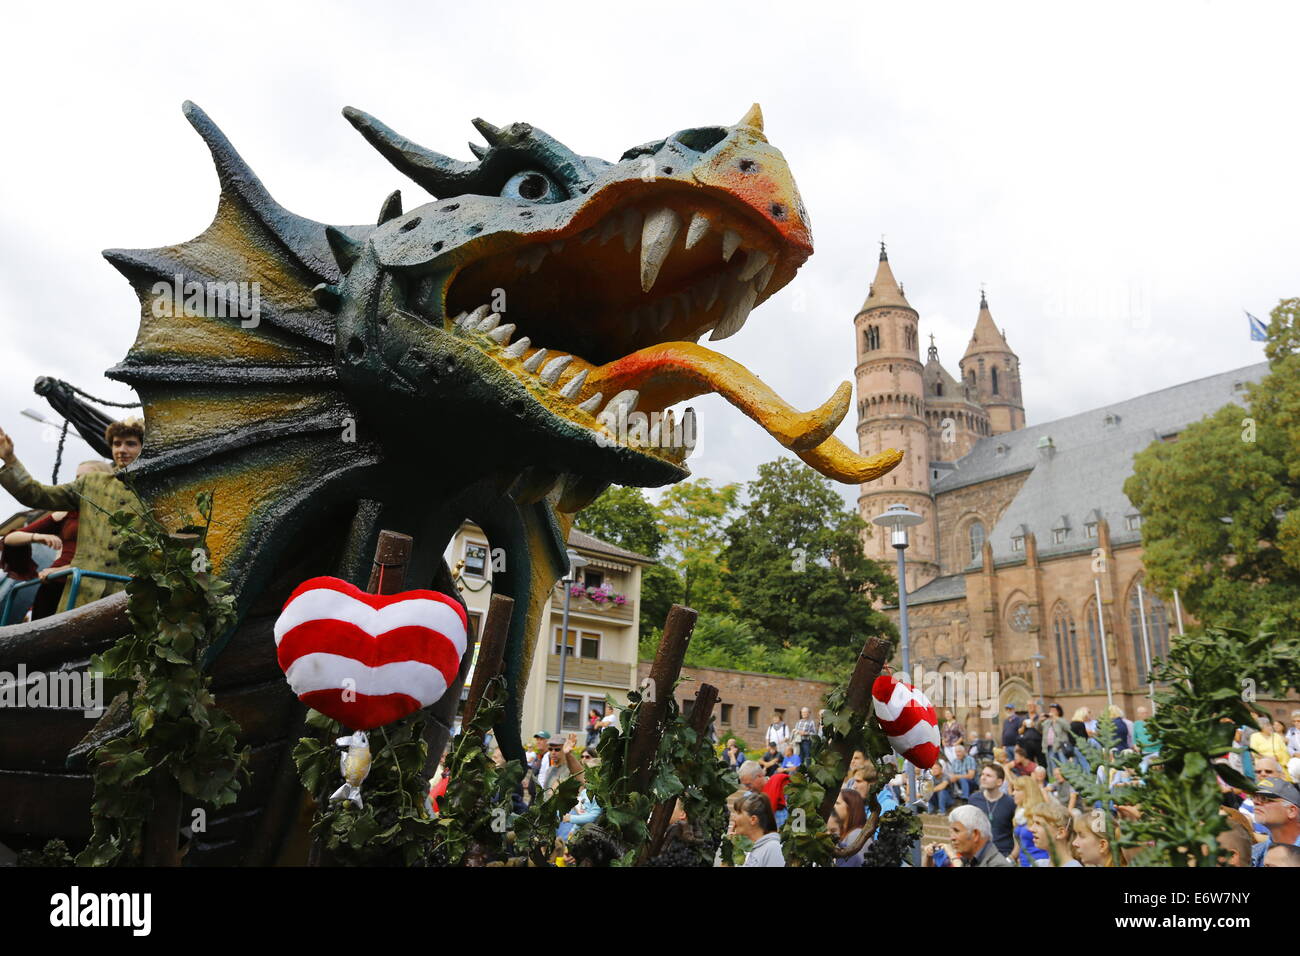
(477, 316)
(631, 225)
(755, 263)
(730, 243)
(488, 324)
(460, 319)
(535, 360)
(551, 373)
(608, 229)
(626, 399)
(501, 334)
(715, 286)
(591, 404)
(574, 385)
(737, 312)
(764, 277)
(698, 229)
(661, 316)
(518, 349)
(657, 235)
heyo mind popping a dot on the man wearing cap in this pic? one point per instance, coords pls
(1277, 806)
(95, 494)
(1011, 728)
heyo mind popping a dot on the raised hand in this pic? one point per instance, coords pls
(6, 447)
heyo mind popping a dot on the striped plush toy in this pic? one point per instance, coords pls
(908, 719)
(368, 659)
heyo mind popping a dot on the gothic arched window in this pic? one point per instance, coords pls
(995, 380)
(1067, 649)
(976, 535)
(1157, 630)
(873, 338)
(1099, 662)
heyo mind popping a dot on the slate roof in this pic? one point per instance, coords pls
(946, 588)
(1091, 459)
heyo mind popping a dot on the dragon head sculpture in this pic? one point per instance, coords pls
(503, 353)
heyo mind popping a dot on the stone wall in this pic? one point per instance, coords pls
(744, 695)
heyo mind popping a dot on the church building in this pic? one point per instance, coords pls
(1029, 559)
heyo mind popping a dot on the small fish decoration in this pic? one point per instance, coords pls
(354, 764)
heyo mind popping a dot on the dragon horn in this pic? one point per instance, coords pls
(489, 132)
(440, 175)
(753, 118)
(345, 248)
(477, 150)
(392, 207)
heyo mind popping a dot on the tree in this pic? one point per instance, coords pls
(1219, 517)
(693, 518)
(623, 516)
(795, 566)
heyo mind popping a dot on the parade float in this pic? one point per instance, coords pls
(484, 356)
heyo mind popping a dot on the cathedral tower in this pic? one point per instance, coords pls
(891, 414)
(992, 372)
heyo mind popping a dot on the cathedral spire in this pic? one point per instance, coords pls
(986, 337)
(933, 353)
(885, 290)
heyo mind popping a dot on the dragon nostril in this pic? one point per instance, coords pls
(450, 207)
(473, 230)
(408, 226)
(526, 214)
(748, 166)
(437, 247)
(778, 211)
(668, 170)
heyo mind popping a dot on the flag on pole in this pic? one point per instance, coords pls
(1258, 332)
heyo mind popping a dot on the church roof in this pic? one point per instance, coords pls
(950, 587)
(986, 337)
(934, 374)
(1078, 465)
(885, 290)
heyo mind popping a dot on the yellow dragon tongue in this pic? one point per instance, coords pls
(676, 371)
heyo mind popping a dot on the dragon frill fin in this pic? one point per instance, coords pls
(235, 365)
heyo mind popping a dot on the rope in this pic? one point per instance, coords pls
(58, 454)
(102, 401)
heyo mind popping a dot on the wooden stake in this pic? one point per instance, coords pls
(491, 652)
(665, 670)
(705, 699)
(870, 662)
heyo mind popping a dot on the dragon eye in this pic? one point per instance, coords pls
(532, 186)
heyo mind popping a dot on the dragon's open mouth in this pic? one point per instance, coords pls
(602, 322)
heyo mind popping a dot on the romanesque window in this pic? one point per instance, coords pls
(1094, 644)
(976, 533)
(872, 338)
(909, 335)
(1157, 630)
(995, 380)
(1067, 649)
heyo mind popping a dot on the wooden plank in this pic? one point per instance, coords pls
(39, 738)
(45, 805)
(264, 712)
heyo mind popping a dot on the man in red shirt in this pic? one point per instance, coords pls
(753, 779)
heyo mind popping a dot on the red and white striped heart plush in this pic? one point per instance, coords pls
(908, 719)
(368, 659)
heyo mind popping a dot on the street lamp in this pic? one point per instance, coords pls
(898, 519)
(1038, 681)
(576, 563)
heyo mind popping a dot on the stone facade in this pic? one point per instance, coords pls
(746, 700)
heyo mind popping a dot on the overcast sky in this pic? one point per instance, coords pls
(1121, 177)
